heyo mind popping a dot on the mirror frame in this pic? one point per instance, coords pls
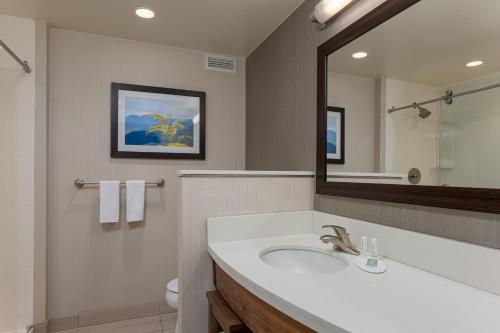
(463, 198)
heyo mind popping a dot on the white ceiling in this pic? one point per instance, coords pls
(234, 27)
(429, 43)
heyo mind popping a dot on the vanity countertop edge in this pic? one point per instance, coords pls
(352, 300)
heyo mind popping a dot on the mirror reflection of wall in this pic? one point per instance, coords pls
(404, 61)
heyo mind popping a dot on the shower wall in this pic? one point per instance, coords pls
(468, 136)
(408, 141)
(377, 141)
(17, 183)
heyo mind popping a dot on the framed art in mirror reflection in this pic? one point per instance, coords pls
(335, 135)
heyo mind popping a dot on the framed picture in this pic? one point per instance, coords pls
(335, 135)
(154, 122)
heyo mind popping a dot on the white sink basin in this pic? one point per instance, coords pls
(303, 260)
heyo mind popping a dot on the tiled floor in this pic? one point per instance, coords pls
(164, 323)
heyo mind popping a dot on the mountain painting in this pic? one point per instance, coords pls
(152, 122)
(335, 135)
(331, 142)
(156, 128)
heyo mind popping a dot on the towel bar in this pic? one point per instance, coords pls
(80, 183)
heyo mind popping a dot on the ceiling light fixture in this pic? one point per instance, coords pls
(360, 55)
(144, 12)
(326, 10)
(474, 63)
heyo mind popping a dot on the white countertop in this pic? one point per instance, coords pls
(243, 173)
(402, 300)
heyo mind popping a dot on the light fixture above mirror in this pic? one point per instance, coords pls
(327, 10)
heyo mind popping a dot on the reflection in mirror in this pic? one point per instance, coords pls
(420, 96)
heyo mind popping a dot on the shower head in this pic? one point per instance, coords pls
(422, 112)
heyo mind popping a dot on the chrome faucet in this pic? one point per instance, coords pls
(341, 242)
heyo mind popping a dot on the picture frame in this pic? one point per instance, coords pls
(157, 122)
(335, 135)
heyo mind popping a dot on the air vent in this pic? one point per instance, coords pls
(220, 63)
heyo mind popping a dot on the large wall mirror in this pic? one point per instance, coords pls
(409, 106)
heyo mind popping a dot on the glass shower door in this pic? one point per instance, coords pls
(469, 137)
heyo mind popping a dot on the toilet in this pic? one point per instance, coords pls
(172, 296)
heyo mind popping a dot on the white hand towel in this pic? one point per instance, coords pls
(135, 200)
(109, 195)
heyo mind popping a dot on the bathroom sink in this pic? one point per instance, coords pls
(303, 260)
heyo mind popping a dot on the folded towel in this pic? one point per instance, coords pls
(135, 200)
(109, 195)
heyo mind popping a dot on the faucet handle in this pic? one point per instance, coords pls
(338, 229)
(341, 232)
(339, 244)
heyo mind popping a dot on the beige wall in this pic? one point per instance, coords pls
(357, 95)
(281, 91)
(94, 267)
(203, 197)
(410, 141)
(17, 148)
(281, 127)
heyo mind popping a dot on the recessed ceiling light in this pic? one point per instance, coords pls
(360, 55)
(144, 12)
(474, 63)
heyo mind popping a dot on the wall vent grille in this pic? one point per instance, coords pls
(220, 63)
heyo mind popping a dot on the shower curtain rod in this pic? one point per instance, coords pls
(24, 64)
(447, 97)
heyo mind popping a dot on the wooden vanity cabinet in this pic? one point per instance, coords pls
(221, 317)
(257, 315)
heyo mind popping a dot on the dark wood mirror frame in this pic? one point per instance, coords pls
(464, 198)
